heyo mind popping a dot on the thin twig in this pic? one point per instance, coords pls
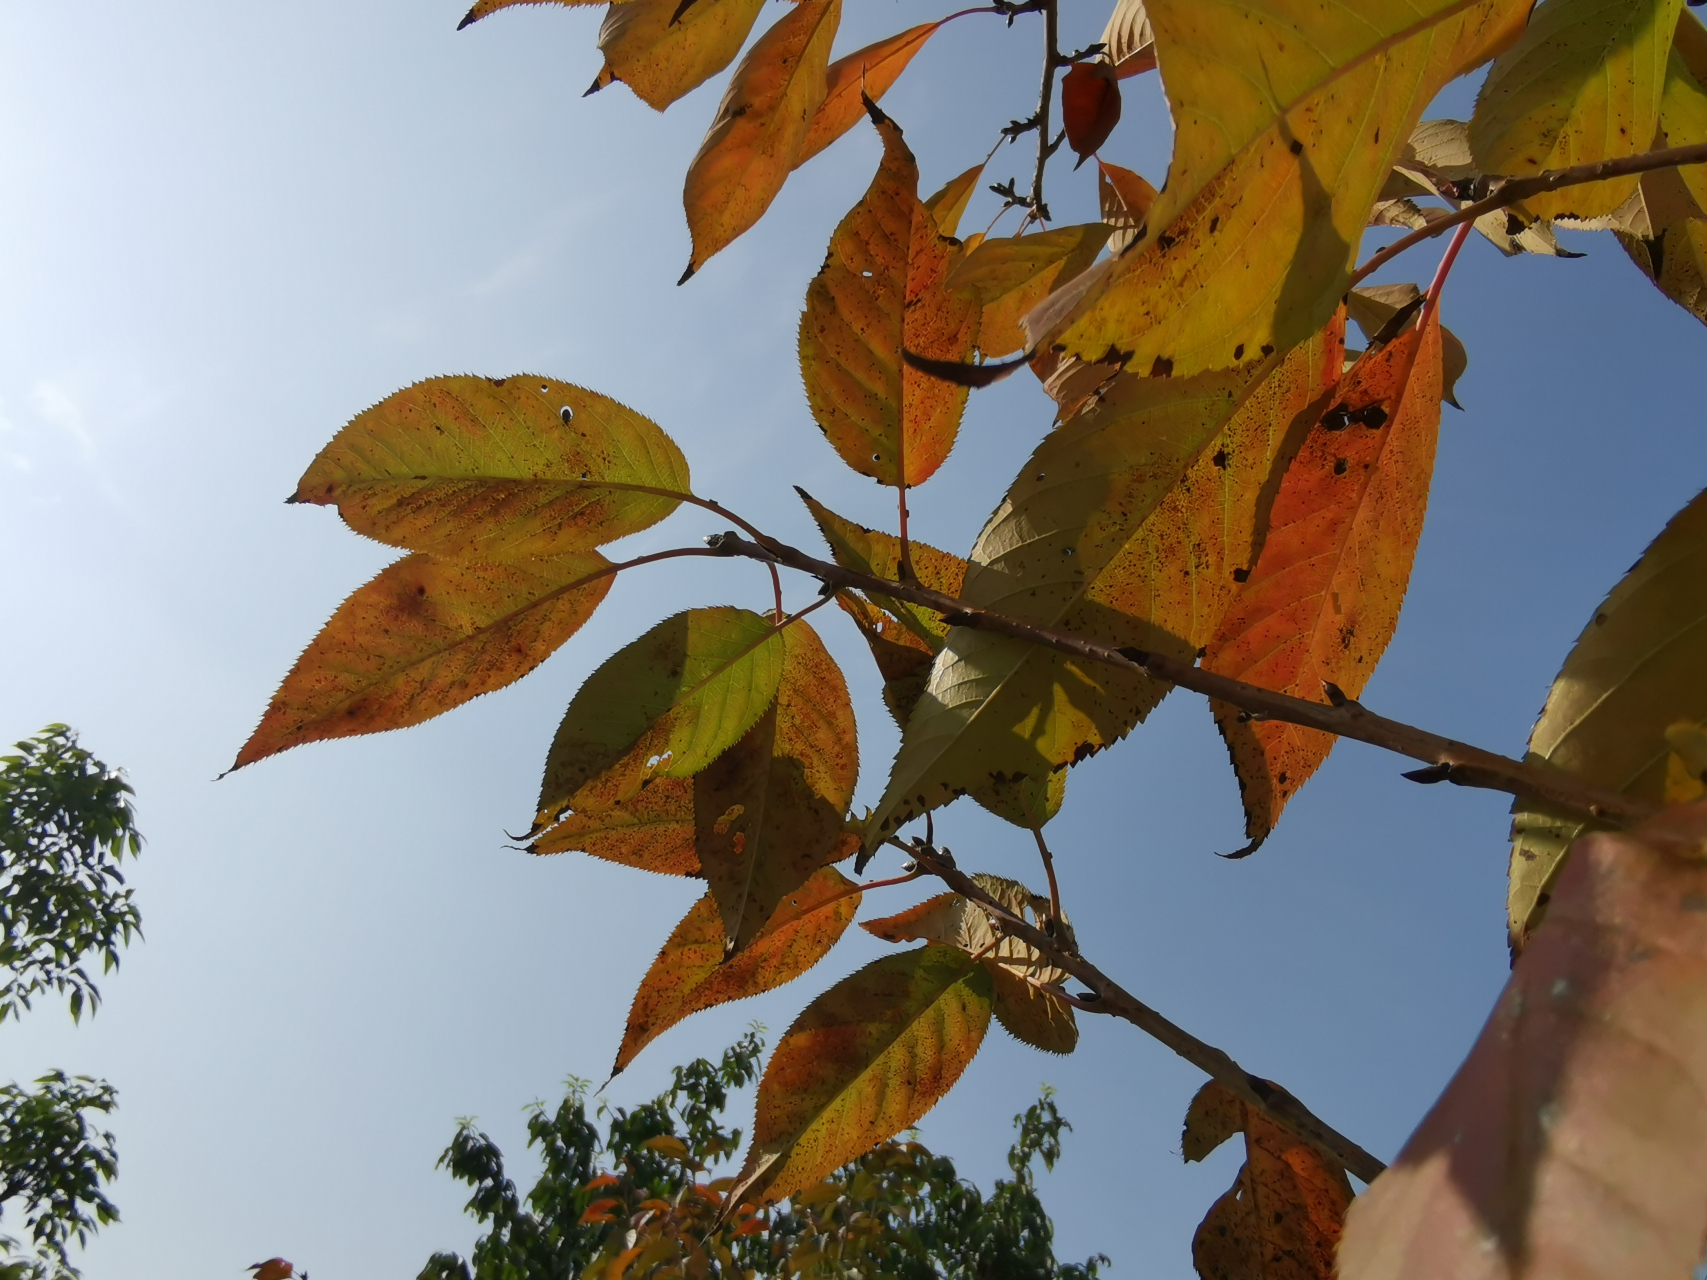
(1449, 759)
(1519, 189)
(1051, 63)
(1049, 871)
(1110, 997)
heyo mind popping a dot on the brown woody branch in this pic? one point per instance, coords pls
(1108, 996)
(1519, 189)
(1447, 759)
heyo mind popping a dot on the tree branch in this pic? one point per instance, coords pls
(1448, 759)
(1111, 998)
(1519, 189)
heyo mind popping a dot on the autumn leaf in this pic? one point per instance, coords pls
(1683, 107)
(665, 706)
(652, 830)
(497, 469)
(864, 73)
(1581, 84)
(1009, 275)
(1569, 1142)
(1283, 140)
(1639, 666)
(1129, 42)
(760, 127)
(663, 51)
(878, 554)
(1281, 1219)
(1686, 765)
(882, 291)
(424, 636)
(769, 812)
(1376, 307)
(1090, 106)
(903, 659)
(1673, 252)
(483, 7)
(1125, 199)
(948, 204)
(1323, 599)
(865, 1060)
(695, 971)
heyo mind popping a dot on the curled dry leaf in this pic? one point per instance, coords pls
(761, 124)
(862, 74)
(664, 52)
(1282, 1217)
(498, 468)
(1581, 84)
(882, 291)
(865, 1060)
(424, 636)
(695, 971)
(1129, 42)
(1090, 106)
(1569, 1142)
(1323, 599)
(1639, 666)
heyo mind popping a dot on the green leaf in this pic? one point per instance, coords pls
(1639, 666)
(865, 1060)
(665, 706)
(498, 468)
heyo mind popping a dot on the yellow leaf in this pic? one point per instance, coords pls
(666, 1144)
(663, 51)
(1010, 275)
(760, 126)
(498, 469)
(949, 203)
(1639, 666)
(864, 73)
(483, 7)
(1686, 766)
(1283, 140)
(1683, 108)
(1582, 84)
(424, 636)
(1673, 252)
(1125, 199)
(865, 1060)
(882, 291)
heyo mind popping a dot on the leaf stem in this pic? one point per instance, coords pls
(1108, 996)
(1432, 299)
(1519, 189)
(1049, 870)
(1449, 759)
(905, 554)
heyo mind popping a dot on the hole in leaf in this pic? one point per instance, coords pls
(566, 413)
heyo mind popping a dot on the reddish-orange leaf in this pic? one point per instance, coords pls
(760, 126)
(424, 636)
(1281, 1219)
(663, 50)
(882, 290)
(1570, 1141)
(694, 971)
(272, 1269)
(1323, 599)
(867, 73)
(1090, 105)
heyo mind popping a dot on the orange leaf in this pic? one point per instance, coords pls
(1125, 199)
(694, 971)
(1569, 1142)
(881, 291)
(1323, 599)
(867, 72)
(663, 50)
(599, 1211)
(1281, 1219)
(760, 126)
(483, 7)
(1090, 106)
(651, 831)
(424, 636)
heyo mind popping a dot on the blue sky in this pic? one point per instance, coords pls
(225, 229)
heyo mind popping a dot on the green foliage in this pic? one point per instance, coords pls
(53, 1164)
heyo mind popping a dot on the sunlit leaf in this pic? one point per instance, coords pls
(864, 73)
(1673, 253)
(1125, 199)
(1282, 1217)
(483, 7)
(949, 202)
(881, 291)
(1639, 666)
(760, 126)
(663, 52)
(871, 551)
(665, 706)
(1009, 275)
(1128, 39)
(865, 1060)
(498, 468)
(652, 830)
(1580, 85)
(1569, 1142)
(1683, 107)
(1284, 138)
(694, 971)
(1323, 599)
(424, 636)
(1375, 307)
(1090, 106)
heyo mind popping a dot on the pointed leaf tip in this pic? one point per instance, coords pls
(686, 275)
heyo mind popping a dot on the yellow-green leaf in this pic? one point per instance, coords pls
(1582, 84)
(1683, 108)
(760, 126)
(663, 52)
(882, 291)
(1010, 275)
(1639, 666)
(949, 202)
(864, 73)
(695, 971)
(498, 468)
(665, 706)
(865, 1060)
(650, 831)
(424, 636)
(874, 552)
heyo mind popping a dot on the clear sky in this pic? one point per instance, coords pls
(226, 228)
